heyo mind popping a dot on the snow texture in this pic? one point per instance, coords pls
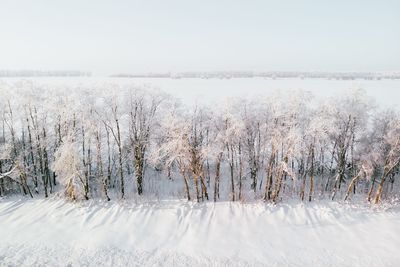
(56, 232)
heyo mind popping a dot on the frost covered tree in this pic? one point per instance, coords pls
(112, 117)
(143, 111)
(390, 154)
(68, 167)
(350, 116)
(110, 141)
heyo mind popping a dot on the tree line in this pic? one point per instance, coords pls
(114, 142)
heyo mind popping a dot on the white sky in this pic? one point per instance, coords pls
(139, 36)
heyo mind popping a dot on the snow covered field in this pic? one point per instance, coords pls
(209, 91)
(176, 233)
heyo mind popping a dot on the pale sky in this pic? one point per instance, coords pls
(140, 36)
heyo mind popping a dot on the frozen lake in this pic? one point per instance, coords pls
(192, 90)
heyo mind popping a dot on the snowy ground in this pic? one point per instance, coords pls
(176, 233)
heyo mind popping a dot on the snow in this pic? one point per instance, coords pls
(55, 232)
(196, 90)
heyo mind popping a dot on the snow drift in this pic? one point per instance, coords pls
(176, 233)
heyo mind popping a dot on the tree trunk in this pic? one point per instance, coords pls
(341, 170)
(1, 179)
(352, 183)
(240, 172)
(24, 184)
(311, 175)
(108, 158)
(278, 184)
(330, 167)
(139, 164)
(203, 185)
(217, 176)
(121, 170)
(186, 181)
(253, 176)
(208, 173)
(371, 188)
(100, 167)
(39, 149)
(85, 170)
(35, 178)
(303, 185)
(379, 191)
(231, 165)
(268, 186)
(196, 183)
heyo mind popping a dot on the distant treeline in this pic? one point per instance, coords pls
(39, 73)
(268, 74)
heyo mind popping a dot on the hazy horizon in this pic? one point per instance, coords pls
(107, 37)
